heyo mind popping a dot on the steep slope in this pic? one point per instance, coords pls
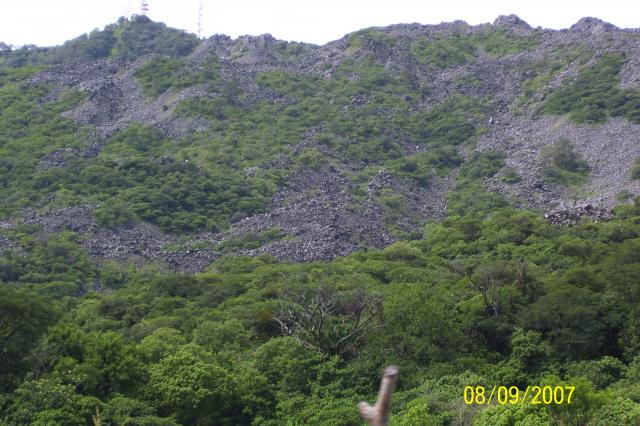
(187, 150)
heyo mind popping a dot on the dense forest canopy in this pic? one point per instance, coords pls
(504, 298)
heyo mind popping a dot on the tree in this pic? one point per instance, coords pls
(47, 402)
(195, 386)
(330, 322)
(163, 342)
(489, 280)
(23, 318)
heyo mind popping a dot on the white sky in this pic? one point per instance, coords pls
(48, 22)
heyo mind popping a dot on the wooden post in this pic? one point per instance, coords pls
(378, 415)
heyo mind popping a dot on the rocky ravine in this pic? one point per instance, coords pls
(316, 208)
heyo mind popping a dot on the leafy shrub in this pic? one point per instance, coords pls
(510, 176)
(447, 123)
(483, 164)
(251, 240)
(561, 164)
(128, 39)
(624, 196)
(595, 95)
(498, 42)
(424, 166)
(443, 52)
(114, 214)
(178, 197)
(211, 108)
(137, 138)
(457, 49)
(392, 200)
(161, 74)
(369, 37)
(635, 170)
(141, 36)
(470, 197)
(310, 159)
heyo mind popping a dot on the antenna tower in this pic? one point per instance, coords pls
(200, 27)
(144, 7)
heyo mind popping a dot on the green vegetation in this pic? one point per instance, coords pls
(175, 195)
(498, 42)
(443, 52)
(128, 39)
(291, 49)
(561, 164)
(141, 36)
(369, 37)
(363, 133)
(490, 295)
(251, 240)
(200, 182)
(457, 49)
(624, 196)
(171, 192)
(422, 167)
(30, 130)
(504, 298)
(547, 68)
(451, 122)
(635, 170)
(483, 164)
(511, 176)
(594, 95)
(161, 74)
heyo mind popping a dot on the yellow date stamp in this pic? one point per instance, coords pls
(503, 395)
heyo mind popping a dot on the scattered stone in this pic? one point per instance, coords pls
(571, 216)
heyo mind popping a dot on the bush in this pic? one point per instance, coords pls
(251, 240)
(448, 123)
(498, 42)
(160, 74)
(128, 39)
(562, 165)
(635, 170)
(443, 52)
(594, 95)
(511, 176)
(483, 164)
(141, 36)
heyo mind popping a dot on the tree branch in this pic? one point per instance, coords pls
(378, 415)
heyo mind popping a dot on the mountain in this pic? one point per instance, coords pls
(177, 150)
(247, 231)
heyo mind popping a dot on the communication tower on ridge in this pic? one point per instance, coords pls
(144, 7)
(200, 27)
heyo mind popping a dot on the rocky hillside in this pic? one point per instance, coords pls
(155, 146)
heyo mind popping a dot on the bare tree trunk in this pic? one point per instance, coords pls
(378, 415)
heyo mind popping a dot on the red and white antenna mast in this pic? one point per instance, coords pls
(144, 7)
